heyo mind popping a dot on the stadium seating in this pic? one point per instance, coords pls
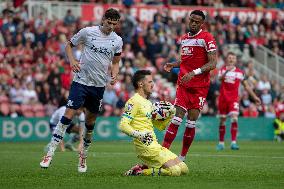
(22, 38)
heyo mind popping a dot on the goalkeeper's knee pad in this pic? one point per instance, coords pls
(184, 168)
(175, 170)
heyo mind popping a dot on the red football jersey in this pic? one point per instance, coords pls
(194, 51)
(279, 108)
(229, 89)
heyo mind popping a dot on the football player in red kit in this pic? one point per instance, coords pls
(198, 58)
(228, 103)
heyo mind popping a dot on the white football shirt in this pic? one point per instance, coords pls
(97, 55)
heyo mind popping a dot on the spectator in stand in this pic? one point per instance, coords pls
(266, 97)
(251, 111)
(263, 84)
(38, 44)
(69, 18)
(128, 84)
(110, 97)
(270, 112)
(29, 94)
(128, 25)
(17, 93)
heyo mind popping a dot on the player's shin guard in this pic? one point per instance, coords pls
(234, 131)
(58, 134)
(222, 131)
(188, 136)
(172, 132)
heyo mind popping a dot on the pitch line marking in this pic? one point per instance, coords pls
(192, 154)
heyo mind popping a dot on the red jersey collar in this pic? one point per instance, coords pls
(194, 34)
(232, 69)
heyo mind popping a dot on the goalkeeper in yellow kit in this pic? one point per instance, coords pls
(136, 122)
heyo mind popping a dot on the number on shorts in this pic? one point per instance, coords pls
(201, 101)
(236, 105)
(101, 105)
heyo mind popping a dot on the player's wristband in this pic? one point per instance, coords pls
(197, 71)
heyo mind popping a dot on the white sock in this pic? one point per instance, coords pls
(57, 137)
(182, 158)
(222, 143)
(234, 142)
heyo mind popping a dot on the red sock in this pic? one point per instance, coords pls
(222, 131)
(188, 137)
(170, 135)
(234, 131)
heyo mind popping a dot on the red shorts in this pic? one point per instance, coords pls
(191, 98)
(227, 107)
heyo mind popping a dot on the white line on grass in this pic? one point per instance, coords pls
(129, 154)
(112, 154)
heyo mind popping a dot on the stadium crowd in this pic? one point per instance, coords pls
(35, 75)
(258, 4)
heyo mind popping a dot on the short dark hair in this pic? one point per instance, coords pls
(138, 76)
(231, 53)
(112, 14)
(199, 13)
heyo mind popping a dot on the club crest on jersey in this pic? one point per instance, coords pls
(129, 107)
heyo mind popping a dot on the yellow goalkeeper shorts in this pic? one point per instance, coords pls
(154, 155)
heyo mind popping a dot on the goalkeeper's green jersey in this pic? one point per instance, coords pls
(138, 114)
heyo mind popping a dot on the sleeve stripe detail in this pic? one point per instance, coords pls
(71, 44)
(127, 116)
(211, 50)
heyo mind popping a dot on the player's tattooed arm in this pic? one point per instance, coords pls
(211, 65)
(212, 57)
(169, 66)
(176, 64)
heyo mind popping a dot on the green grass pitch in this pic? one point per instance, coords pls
(256, 165)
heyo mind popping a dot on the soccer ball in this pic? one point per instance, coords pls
(162, 113)
(162, 110)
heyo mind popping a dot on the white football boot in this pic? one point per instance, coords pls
(46, 161)
(82, 165)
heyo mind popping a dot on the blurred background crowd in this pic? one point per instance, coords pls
(35, 75)
(212, 3)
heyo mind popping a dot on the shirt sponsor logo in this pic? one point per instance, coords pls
(101, 50)
(129, 109)
(187, 51)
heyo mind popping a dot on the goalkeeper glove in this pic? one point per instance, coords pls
(145, 137)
